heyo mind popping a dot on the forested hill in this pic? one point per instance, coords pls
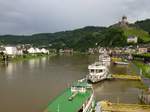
(49, 38)
(82, 39)
(145, 25)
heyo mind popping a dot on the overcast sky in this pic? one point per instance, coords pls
(35, 16)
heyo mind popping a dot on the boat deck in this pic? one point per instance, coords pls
(63, 104)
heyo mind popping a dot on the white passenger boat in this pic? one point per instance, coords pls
(105, 59)
(97, 72)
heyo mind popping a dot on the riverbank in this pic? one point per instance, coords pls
(147, 55)
(120, 107)
(27, 57)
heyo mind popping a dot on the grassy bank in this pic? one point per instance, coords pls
(144, 67)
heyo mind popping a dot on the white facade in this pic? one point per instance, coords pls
(10, 50)
(43, 50)
(143, 50)
(31, 50)
(133, 39)
(37, 50)
(19, 52)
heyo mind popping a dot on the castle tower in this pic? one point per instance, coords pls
(124, 21)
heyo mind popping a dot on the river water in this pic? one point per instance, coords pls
(28, 86)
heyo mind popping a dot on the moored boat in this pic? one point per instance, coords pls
(105, 59)
(77, 98)
(97, 72)
(120, 63)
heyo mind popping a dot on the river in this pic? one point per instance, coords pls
(28, 86)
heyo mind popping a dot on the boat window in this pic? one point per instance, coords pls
(92, 70)
(99, 71)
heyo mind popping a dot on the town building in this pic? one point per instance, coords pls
(31, 50)
(145, 48)
(142, 50)
(132, 39)
(11, 50)
(37, 50)
(65, 50)
(45, 51)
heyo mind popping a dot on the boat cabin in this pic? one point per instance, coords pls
(97, 69)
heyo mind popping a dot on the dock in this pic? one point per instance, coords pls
(145, 97)
(106, 106)
(126, 77)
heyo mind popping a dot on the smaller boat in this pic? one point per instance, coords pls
(98, 72)
(104, 58)
(120, 63)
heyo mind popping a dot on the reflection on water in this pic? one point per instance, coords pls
(28, 86)
(11, 68)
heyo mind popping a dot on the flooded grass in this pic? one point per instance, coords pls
(145, 68)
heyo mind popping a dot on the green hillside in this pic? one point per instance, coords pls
(142, 35)
(144, 24)
(84, 38)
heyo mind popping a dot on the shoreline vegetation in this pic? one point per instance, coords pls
(146, 55)
(6, 58)
(33, 56)
(141, 61)
(144, 68)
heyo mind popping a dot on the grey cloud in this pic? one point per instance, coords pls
(34, 16)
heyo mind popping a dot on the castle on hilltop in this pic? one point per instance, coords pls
(124, 22)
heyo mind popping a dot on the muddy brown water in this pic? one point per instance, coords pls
(28, 86)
